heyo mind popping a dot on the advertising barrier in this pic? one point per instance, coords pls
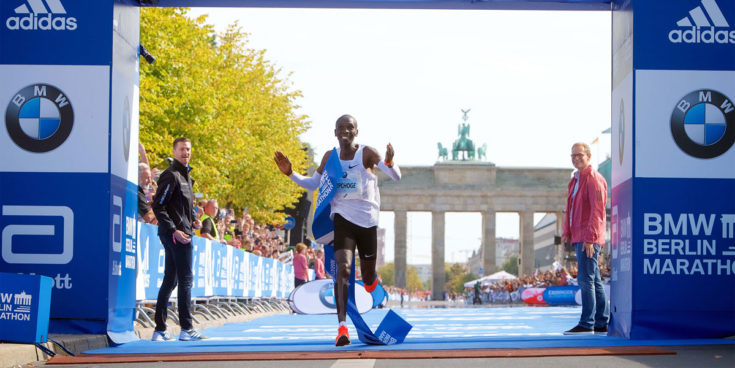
(25, 301)
(219, 270)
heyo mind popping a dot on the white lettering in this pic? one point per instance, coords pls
(652, 219)
(683, 266)
(649, 246)
(63, 282)
(701, 222)
(675, 36)
(683, 106)
(6, 298)
(61, 100)
(705, 96)
(18, 100)
(39, 91)
(727, 106)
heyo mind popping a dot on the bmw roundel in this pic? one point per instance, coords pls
(39, 118)
(703, 123)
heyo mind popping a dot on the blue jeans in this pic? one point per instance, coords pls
(595, 311)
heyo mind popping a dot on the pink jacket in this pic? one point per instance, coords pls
(588, 208)
(300, 267)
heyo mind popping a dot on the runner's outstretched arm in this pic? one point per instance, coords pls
(387, 166)
(308, 183)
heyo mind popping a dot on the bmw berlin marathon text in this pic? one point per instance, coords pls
(689, 244)
(15, 307)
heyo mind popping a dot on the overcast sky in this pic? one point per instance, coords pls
(536, 83)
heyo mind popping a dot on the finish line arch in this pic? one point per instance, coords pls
(673, 182)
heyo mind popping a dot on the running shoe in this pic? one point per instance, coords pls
(191, 335)
(161, 336)
(370, 288)
(343, 336)
(579, 330)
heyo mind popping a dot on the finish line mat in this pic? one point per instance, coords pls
(450, 333)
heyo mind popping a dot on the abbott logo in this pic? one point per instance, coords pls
(38, 230)
(46, 17)
(703, 25)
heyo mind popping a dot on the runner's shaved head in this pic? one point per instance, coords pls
(346, 118)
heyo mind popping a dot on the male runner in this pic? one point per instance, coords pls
(355, 208)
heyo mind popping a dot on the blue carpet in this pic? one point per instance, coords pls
(433, 329)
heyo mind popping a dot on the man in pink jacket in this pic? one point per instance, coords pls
(584, 226)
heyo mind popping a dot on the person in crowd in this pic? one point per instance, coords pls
(209, 225)
(354, 209)
(584, 226)
(173, 207)
(145, 211)
(300, 266)
(319, 265)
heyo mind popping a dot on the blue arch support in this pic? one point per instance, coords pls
(67, 204)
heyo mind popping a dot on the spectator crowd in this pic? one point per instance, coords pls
(509, 291)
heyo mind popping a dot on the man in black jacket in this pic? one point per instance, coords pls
(173, 205)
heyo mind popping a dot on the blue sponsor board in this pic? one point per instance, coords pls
(684, 34)
(25, 301)
(60, 32)
(123, 260)
(684, 252)
(51, 227)
(219, 270)
(621, 249)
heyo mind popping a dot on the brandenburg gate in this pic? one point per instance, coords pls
(471, 186)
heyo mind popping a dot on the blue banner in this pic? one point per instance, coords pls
(323, 226)
(219, 270)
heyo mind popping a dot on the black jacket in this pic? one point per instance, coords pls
(173, 203)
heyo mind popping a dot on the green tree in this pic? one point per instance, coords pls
(387, 274)
(413, 282)
(510, 265)
(456, 275)
(229, 101)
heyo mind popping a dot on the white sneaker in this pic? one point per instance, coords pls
(191, 335)
(161, 336)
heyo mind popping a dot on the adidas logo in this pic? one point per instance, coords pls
(45, 15)
(703, 25)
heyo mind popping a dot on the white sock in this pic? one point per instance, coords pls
(341, 324)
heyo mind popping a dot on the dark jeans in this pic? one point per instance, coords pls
(176, 271)
(298, 282)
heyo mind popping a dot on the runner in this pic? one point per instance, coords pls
(355, 209)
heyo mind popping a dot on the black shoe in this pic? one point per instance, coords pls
(579, 330)
(601, 330)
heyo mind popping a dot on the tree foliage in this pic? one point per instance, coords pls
(387, 274)
(413, 282)
(510, 265)
(229, 100)
(456, 275)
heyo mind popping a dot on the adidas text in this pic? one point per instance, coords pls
(45, 22)
(702, 35)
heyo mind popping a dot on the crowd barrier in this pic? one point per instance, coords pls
(219, 270)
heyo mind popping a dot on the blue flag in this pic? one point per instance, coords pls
(323, 227)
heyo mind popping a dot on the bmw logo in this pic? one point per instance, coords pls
(326, 295)
(703, 123)
(39, 118)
